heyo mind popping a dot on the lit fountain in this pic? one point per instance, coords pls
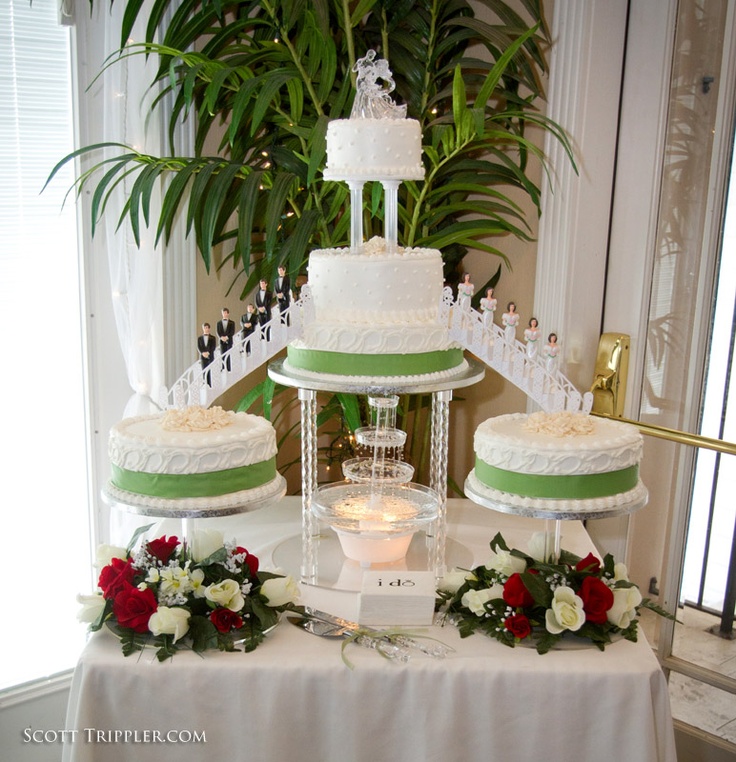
(377, 510)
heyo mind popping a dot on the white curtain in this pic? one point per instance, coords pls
(135, 271)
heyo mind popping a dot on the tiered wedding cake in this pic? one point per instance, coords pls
(376, 306)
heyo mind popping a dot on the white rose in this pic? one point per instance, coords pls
(504, 563)
(227, 594)
(280, 590)
(169, 621)
(205, 542)
(541, 546)
(454, 580)
(620, 573)
(566, 612)
(623, 611)
(105, 554)
(475, 599)
(92, 606)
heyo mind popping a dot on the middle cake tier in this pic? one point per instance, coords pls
(376, 312)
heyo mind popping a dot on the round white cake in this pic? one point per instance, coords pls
(374, 149)
(567, 462)
(193, 459)
(376, 313)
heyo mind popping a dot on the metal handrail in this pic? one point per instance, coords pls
(673, 435)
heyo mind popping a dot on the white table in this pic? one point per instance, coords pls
(294, 699)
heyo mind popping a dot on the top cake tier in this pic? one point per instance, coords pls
(374, 149)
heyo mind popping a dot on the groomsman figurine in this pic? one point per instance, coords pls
(282, 289)
(206, 348)
(225, 332)
(248, 324)
(263, 305)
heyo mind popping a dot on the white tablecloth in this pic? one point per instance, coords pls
(294, 699)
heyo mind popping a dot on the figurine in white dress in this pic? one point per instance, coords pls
(465, 291)
(488, 307)
(510, 320)
(550, 352)
(531, 337)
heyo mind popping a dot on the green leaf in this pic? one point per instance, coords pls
(276, 208)
(351, 410)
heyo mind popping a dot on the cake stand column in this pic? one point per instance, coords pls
(438, 478)
(356, 214)
(310, 529)
(391, 213)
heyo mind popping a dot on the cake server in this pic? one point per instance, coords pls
(326, 629)
(433, 648)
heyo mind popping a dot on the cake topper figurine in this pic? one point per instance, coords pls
(374, 85)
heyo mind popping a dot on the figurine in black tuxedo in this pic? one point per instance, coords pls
(248, 324)
(225, 333)
(263, 305)
(282, 290)
(206, 347)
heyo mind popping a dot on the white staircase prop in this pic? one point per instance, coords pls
(550, 389)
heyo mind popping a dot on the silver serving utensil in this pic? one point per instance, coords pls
(433, 648)
(325, 629)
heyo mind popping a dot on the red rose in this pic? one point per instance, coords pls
(115, 576)
(515, 592)
(162, 548)
(225, 620)
(518, 625)
(250, 560)
(590, 564)
(597, 599)
(133, 608)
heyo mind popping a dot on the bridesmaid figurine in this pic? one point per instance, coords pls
(465, 291)
(488, 307)
(551, 350)
(510, 320)
(531, 337)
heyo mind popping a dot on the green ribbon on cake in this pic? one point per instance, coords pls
(572, 487)
(210, 484)
(345, 364)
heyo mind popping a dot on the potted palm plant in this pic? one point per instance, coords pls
(262, 78)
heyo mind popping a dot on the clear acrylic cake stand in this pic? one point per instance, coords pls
(554, 518)
(441, 391)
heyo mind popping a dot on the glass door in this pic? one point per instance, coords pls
(681, 544)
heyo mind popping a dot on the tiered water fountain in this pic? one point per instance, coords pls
(377, 510)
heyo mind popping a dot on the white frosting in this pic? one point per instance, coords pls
(142, 444)
(372, 340)
(505, 442)
(374, 149)
(375, 286)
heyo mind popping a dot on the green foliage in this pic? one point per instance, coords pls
(261, 79)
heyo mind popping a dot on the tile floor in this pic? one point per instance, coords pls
(693, 702)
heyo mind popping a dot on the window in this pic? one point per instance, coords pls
(44, 558)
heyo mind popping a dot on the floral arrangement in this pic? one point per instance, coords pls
(172, 595)
(527, 598)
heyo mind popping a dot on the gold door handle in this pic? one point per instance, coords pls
(611, 371)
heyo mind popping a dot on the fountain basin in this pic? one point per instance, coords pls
(375, 523)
